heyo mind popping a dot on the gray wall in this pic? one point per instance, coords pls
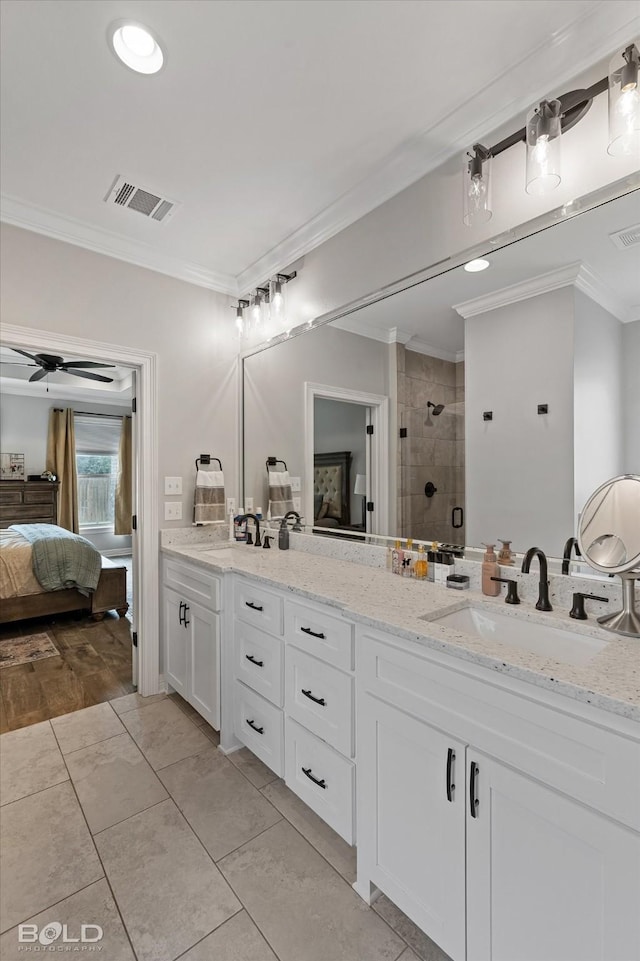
(631, 396)
(274, 413)
(519, 466)
(598, 445)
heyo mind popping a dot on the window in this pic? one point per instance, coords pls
(97, 444)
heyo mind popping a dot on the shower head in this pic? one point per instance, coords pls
(437, 408)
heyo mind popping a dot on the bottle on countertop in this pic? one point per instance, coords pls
(431, 562)
(421, 565)
(448, 566)
(389, 558)
(397, 559)
(407, 568)
(490, 568)
(505, 554)
(283, 535)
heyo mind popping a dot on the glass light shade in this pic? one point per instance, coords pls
(476, 180)
(624, 104)
(276, 299)
(543, 148)
(240, 321)
(256, 311)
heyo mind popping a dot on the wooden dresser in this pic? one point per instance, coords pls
(28, 502)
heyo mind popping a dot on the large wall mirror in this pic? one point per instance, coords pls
(499, 400)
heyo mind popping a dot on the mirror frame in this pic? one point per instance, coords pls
(554, 217)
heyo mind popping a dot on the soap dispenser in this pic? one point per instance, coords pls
(490, 569)
(283, 535)
(505, 555)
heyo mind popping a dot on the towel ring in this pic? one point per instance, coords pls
(205, 460)
(273, 461)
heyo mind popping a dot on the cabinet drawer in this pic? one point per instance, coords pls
(194, 583)
(258, 606)
(322, 778)
(10, 497)
(259, 725)
(324, 635)
(582, 759)
(259, 661)
(39, 496)
(320, 697)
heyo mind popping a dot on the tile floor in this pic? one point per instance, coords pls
(125, 815)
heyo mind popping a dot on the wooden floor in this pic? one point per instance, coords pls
(94, 665)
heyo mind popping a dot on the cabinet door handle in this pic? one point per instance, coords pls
(253, 660)
(451, 756)
(252, 724)
(316, 700)
(185, 621)
(307, 630)
(254, 607)
(181, 614)
(320, 782)
(473, 801)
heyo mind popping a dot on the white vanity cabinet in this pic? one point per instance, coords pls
(191, 636)
(320, 712)
(504, 824)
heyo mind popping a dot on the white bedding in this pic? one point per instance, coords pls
(16, 571)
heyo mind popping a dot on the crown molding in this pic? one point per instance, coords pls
(419, 346)
(577, 275)
(542, 284)
(597, 289)
(41, 220)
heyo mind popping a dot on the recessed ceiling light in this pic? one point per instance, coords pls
(475, 265)
(136, 46)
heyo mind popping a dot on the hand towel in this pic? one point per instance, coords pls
(209, 500)
(280, 498)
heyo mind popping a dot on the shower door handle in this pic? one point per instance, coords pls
(457, 514)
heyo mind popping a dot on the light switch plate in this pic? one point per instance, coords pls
(295, 483)
(173, 485)
(248, 504)
(297, 506)
(173, 510)
(231, 505)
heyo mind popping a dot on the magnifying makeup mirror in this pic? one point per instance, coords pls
(609, 540)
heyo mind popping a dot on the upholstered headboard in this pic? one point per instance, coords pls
(332, 488)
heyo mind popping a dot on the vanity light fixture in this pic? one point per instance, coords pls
(136, 46)
(546, 122)
(475, 266)
(266, 308)
(240, 320)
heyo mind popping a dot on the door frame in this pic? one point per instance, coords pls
(146, 472)
(378, 478)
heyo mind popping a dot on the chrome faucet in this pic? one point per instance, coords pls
(543, 603)
(571, 544)
(258, 541)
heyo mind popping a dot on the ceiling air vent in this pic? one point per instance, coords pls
(124, 193)
(629, 237)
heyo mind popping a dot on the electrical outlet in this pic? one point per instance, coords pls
(296, 484)
(231, 505)
(173, 510)
(173, 485)
(248, 504)
(297, 504)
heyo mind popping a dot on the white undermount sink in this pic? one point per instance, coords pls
(546, 641)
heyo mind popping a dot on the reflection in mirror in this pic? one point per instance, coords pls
(513, 392)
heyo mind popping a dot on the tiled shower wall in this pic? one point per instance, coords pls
(433, 449)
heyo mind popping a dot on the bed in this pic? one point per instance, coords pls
(332, 489)
(22, 597)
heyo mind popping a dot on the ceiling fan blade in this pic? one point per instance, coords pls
(17, 363)
(84, 363)
(88, 375)
(39, 374)
(24, 354)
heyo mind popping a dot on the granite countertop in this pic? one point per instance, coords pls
(610, 680)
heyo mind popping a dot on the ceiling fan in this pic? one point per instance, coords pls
(50, 363)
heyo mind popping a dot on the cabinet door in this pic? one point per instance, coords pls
(547, 879)
(413, 836)
(203, 691)
(176, 641)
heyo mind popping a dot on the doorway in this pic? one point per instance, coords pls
(145, 627)
(346, 464)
